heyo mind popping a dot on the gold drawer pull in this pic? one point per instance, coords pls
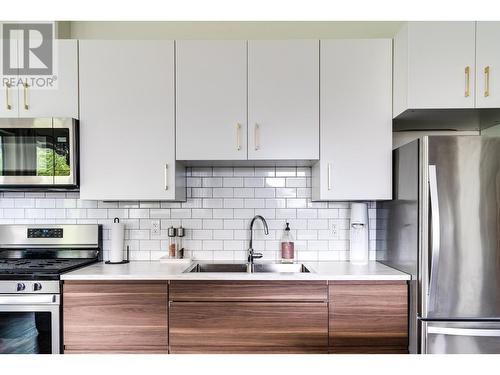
(238, 137)
(7, 101)
(26, 104)
(487, 81)
(467, 81)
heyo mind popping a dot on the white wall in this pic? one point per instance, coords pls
(231, 30)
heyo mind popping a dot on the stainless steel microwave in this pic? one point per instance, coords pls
(39, 153)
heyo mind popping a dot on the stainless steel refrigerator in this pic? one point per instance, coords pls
(443, 227)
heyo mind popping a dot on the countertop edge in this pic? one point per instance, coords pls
(375, 271)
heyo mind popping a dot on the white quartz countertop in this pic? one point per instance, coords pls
(154, 270)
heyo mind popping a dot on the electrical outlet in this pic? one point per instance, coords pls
(335, 232)
(155, 226)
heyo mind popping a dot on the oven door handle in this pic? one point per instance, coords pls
(40, 299)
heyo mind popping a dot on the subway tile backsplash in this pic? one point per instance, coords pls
(216, 215)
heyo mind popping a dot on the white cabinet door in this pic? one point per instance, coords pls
(211, 100)
(60, 99)
(127, 121)
(488, 65)
(356, 122)
(434, 66)
(283, 99)
(8, 87)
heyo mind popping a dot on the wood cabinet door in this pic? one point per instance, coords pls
(247, 326)
(127, 127)
(211, 100)
(283, 99)
(487, 64)
(368, 317)
(356, 121)
(60, 100)
(120, 317)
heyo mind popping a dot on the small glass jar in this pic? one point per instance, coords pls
(180, 246)
(172, 243)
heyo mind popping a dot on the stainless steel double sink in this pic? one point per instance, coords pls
(247, 268)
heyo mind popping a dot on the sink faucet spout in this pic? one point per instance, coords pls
(251, 254)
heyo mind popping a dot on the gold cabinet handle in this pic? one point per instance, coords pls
(7, 101)
(467, 81)
(257, 137)
(26, 104)
(238, 137)
(329, 176)
(487, 81)
(166, 176)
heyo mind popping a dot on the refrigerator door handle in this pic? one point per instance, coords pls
(435, 227)
(464, 331)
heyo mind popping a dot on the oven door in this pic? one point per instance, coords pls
(37, 152)
(29, 324)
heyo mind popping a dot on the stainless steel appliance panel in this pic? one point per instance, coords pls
(29, 324)
(462, 337)
(464, 228)
(74, 236)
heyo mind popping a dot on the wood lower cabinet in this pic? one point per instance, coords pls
(115, 317)
(248, 317)
(226, 317)
(368, 317)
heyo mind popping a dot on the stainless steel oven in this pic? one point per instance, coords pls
(39, 153)
(29, 317)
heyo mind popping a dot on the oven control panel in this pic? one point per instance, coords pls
(45, 233)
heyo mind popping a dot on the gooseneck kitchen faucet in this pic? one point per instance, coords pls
(251, 254)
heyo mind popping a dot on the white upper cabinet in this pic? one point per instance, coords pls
(488, 64)
(9, 106)
(434, 66)
(62, 99)
(283, 99)
(44, 96)
(211, 100)
(127, 121)
(356, 121)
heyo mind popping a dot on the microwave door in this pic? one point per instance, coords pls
(19, 154)
(26, 155)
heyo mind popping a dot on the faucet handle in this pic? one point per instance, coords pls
(257, 255)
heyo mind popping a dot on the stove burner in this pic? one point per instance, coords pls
(46, 266)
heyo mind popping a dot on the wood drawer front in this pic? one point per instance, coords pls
(248, 324)
(368, 314)
(106, 316)
(368, 350)
(128, 287)
(248, 291)
(246, 350)
(153, 350)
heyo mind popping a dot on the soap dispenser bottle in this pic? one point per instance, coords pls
(287, 246)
